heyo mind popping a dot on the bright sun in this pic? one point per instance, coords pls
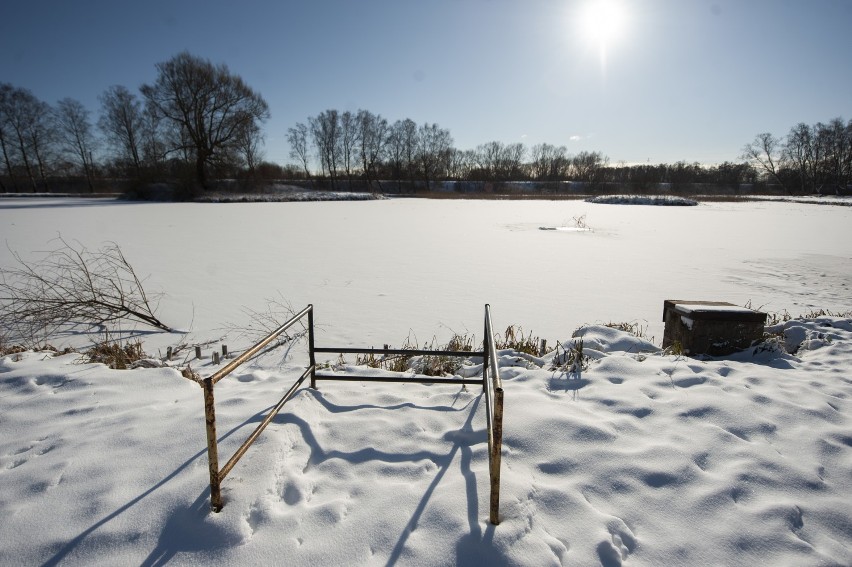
(603, 21)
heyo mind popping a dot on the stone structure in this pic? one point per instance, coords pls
(710, 327)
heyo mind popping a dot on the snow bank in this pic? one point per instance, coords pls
(641, 459)
(642, 200)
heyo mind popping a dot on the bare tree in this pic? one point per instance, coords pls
(326, 134)
(76, 136)
(209, 105)
(835, 147)
(6, 135)
(396, 149)
(27, 125)
(409, 140)
(249, 145)
(373, 133)
(71, 286)
(549, 162)
(764, 152)
(348, 138)
(433, 147)
(122, 122)
(297, 137)
(588, 166)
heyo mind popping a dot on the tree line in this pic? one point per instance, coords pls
(809, 159)
(199, 122)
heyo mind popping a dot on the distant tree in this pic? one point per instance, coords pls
(801, 154)
(409, 143)
(461, 163)
(487, 159)
(297, 137)
(764, 152)
(549, 163)
(433, 149)
(588, 166)
(732, 175)
(75, 135)
(210, 107)
(122, 122)
(397, 147)
(6, 134)
(29, 123)
(326, 134)
(249, 146)
(836, 141)
(348, 142)
(372, 139)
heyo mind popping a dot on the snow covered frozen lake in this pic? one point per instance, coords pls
(375, 270)
(643, 458)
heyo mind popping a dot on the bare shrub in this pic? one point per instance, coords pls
(260, 324)
(71, 286)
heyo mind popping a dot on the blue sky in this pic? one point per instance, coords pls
(690, 80)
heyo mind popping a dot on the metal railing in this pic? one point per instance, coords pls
(216, 475)
(491, 385)
(493, 413)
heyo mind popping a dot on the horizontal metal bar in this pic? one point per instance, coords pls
(414, 380)
(231, 366)
(259, 429)
(396, 351)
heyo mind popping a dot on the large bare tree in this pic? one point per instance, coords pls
(209, 106)
(764, 152)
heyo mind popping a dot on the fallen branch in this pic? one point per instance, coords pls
(72, 286)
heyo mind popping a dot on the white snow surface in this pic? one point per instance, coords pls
(642, 458)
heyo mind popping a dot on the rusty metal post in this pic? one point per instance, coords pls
(212, 447)
(495, 457)
(311, 355)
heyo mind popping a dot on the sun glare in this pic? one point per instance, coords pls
(603, 21)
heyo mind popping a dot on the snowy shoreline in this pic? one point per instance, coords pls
(623, 461)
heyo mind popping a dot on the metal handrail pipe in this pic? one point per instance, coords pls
(396, 351)
(495, 374)
(231, 366)
(259, 429)
(397, 379)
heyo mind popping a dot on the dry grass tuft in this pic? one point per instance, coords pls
(115, 355)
